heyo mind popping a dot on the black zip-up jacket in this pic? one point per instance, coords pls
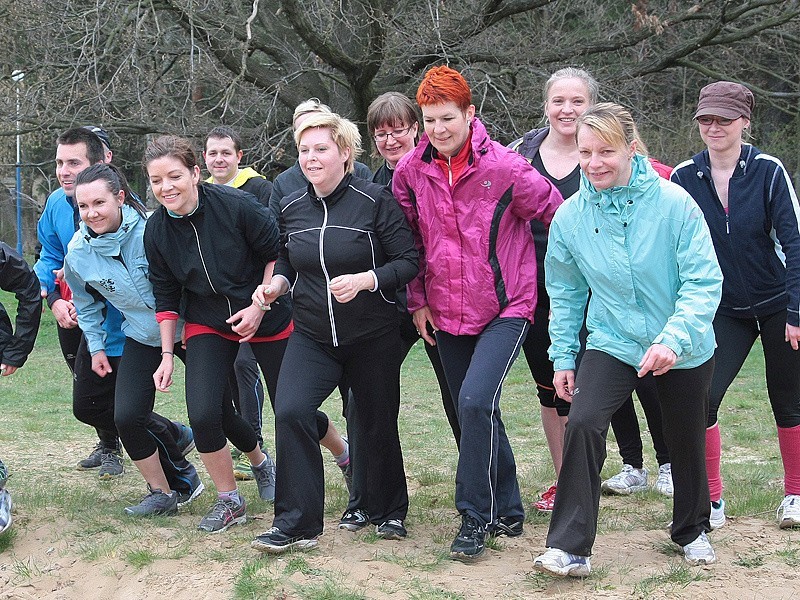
(758, 241)
(215, 257)
(17, 277)
(359, 227)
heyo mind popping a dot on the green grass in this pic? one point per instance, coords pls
(41, 441)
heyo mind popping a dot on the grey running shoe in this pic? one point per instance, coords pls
(5, 510)
(110, 464)
(154, 503)
(223, 514)
(185, 441)
(627, 481)
(3, 475)
(93, 460)
(275, 541)
(265, 479)
(347, 473)
(354, 520)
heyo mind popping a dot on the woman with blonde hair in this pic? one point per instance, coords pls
(640, 244)
(346, 249)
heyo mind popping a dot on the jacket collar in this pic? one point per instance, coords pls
(623, 198)
(746, 157)
(335, 195)
(480, 142)
(110, 244)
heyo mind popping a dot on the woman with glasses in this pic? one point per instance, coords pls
(752, 210)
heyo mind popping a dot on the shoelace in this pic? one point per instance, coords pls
(221, 508)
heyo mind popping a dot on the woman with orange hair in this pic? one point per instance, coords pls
(469, 201)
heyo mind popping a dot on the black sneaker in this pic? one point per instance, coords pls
(185, 441)
(392, 529)
(275, 541)
(195, 488)
(510, 526)
(353, 520)
(93, 460)
(468, 544)
(155, 503)
(110, 464)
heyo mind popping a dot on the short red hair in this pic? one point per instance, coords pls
(443, 84)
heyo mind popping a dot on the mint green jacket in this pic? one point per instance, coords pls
(645, 252)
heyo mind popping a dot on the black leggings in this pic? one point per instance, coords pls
(625, 425)
(143, 431)
(735, 338)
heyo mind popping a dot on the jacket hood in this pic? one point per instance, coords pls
(528, 145)
(619, 198)
(109, 244)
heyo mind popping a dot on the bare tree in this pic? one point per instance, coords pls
(141, 67)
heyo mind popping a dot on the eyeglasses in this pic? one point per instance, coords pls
(707, 121)
(395, 133)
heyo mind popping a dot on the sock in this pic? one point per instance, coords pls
(233, 495)
(344, 458)
(789, 443)
(713, 459)
(262, 465)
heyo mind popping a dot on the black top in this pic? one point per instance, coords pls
(17, 277)
(358, 227)
(215, 258)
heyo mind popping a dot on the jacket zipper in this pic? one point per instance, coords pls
(205, 269)
(334, 337)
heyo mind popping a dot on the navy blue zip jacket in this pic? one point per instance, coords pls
(758, 241)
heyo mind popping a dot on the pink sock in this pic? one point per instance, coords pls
(713, 453)
(789, 442)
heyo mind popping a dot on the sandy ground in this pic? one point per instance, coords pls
(48, 561)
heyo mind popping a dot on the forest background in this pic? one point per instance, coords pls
(140, 68)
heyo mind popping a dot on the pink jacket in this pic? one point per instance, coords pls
(476, 252)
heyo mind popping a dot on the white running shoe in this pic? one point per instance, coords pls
(626, 482)
(788, 513)
(558, 562)
(663, 484)
(5, 510)
(699, 552)
(717, 518)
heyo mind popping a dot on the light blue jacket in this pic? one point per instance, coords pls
(94, 274)
(645, 252)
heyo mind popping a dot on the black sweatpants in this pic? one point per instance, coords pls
(475, 366)
(249, 391)
(602, 384)
(310, 372)
(142, 430)
(625, 425)
(93, 396)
